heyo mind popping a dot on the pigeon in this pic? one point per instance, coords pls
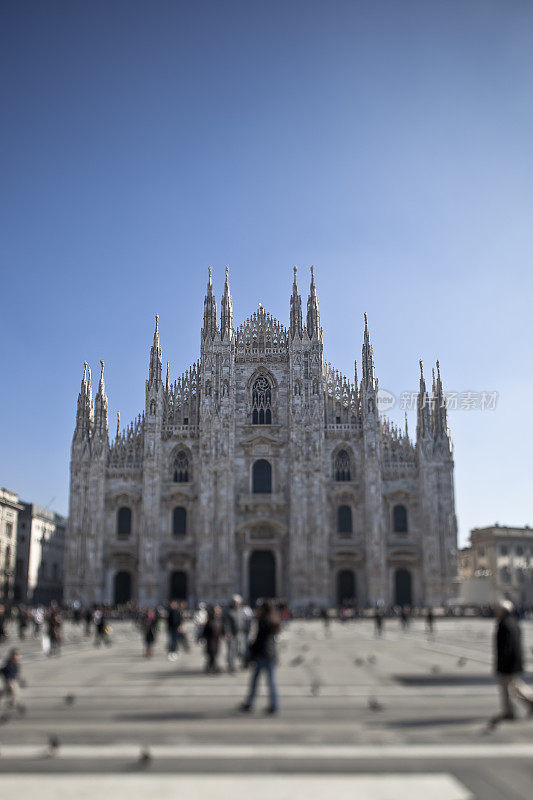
(371, 659)
(70, 699)
(315, 687)
(53, 745)
(435, 670)
(296, 661)
(374, 705)
(359, 662)
(461, 662)
(145, 757)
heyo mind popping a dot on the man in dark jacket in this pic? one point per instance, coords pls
(509, 665)
(174, 623)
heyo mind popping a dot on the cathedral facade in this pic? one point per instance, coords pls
(261, 470)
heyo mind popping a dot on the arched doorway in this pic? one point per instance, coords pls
(346, 586)
(122, 588)
(261, 575)
(177, 585)
(403, 588)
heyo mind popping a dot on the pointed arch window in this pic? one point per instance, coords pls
(181, 471)
(179, 521)
(342, 467)
(124, 521)
(261, 401)
(262, 477)
(399, 519)
(344, 520)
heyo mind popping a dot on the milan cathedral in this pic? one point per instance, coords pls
(264, 471)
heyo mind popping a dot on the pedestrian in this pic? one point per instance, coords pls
(263, 656)
(324, 616)
(22, 622)
(37, 616)
(199, 619)
(149, 632)
(211, 636)
(101, 629)
(54, 630)
(236, 632)
(404, 618)
(378, 623)
(509, 662)
(174, 622)
(11, 675)
(3, 625)
(88, 617)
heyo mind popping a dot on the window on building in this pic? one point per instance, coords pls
(344, 520)
(342, 467)
(124, 521)
(179, 521)
(399, 519)
(180, 468)
(261, 401)
(261, 477)
(9, 529)
(481, 551)
(519, 550)
(504, 550)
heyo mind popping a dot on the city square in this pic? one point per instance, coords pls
(407, 712)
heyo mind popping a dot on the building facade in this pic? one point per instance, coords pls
(261, 470)
(498, 564)
(40, 555)
(9, 511)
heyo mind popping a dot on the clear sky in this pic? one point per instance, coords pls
(388, 143)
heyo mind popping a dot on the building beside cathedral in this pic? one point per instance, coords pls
(261, 470)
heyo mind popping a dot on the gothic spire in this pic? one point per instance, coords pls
(118, 426)
(156, 358)
(226, 311)
(369, 378)
(101, 424)
(84, 414)
(313, 316)
(167, 384)
(296, 326)
(440, 414)
(210, 310)
(423, 424)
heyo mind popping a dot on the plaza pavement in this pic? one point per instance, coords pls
(402, 716)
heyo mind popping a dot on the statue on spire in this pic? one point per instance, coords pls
(313, 316)
(226, 311)
(296, 325)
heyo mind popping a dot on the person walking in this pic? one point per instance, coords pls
(378, 623)
(149, 631)
(236, 632)
(11, 675)
(54, 630)
(101, 628)
(509, 662)
(3, 625)
(211, 635)
(263, 656)
(174, 623)
(88, 617)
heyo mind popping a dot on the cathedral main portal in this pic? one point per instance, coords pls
(261, 575)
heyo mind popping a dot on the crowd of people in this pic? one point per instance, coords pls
(249, 639)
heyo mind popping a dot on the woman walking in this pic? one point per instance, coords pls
(263, 654)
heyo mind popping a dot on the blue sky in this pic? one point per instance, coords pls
(388, 143)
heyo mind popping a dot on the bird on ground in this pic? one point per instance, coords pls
(145, 757)
(374, 705)
(435, 670)
(461, 661)
(296, 661)
(53, 744)
(359, 662)
(70, 699)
